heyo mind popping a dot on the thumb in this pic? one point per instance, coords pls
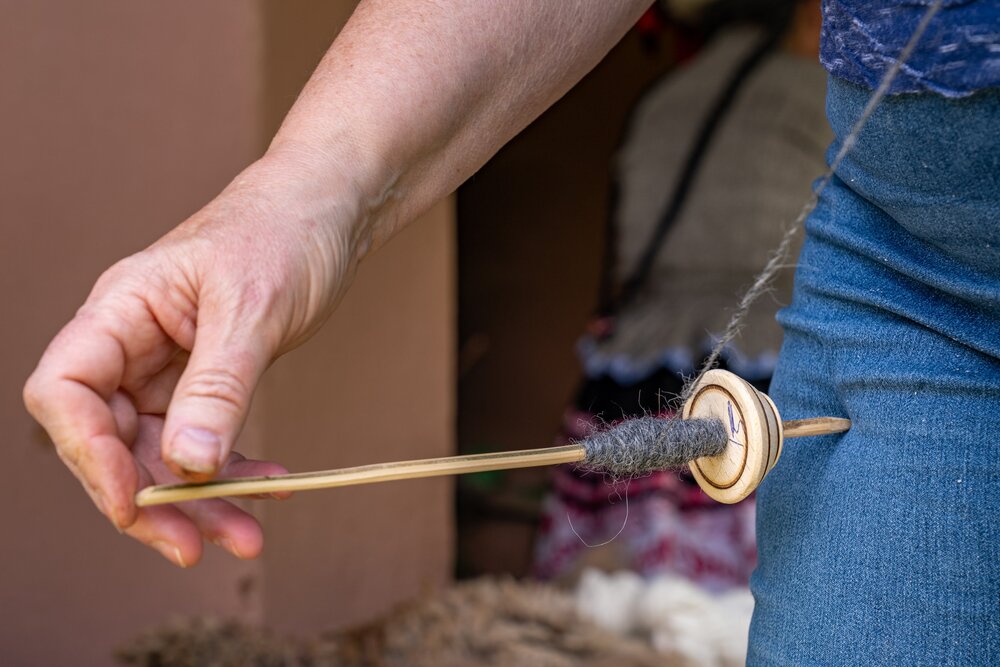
(212, 399)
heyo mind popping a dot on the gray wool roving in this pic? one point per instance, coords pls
(646, 444)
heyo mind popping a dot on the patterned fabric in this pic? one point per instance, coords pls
(958, 55)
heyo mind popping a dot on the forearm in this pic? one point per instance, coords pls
(413, 97)
(152, 380)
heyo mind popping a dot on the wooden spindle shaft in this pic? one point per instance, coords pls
(367, 474)
(800, 428)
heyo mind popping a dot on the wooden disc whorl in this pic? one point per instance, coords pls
(755, 435)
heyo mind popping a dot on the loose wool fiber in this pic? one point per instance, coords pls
(646, 444)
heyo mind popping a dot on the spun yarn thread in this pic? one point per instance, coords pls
(641, 445)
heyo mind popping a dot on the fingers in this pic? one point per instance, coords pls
(240, 467)
(212, 398)
(169, 531)
(227, 526)
(224, 524)
(125, 416)
(177, 531)
(151, 394)
(69, 395)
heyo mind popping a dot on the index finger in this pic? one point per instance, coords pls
(69, 395)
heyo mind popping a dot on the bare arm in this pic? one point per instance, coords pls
(152, 379)
(418, 95)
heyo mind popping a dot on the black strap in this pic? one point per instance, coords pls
(611, 303)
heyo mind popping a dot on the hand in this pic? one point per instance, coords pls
(152, 379)
(410, 100)
(177, 532)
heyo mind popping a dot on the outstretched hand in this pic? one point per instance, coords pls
(409, 101)
(152, 379)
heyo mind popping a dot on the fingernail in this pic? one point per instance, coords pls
(227, 544)
(170, 552)
(102, 506)
(196, 449)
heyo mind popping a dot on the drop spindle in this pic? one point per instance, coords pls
(729, 434)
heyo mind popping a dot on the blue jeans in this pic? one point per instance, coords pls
(881, 546)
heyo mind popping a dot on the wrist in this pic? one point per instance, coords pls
(289, 227)
(346, 190)
(291, 188)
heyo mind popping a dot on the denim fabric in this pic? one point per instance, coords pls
(959, 53)
(881, 546)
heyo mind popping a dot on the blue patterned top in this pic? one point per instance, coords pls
(957, 55)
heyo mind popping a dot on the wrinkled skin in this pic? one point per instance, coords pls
(409, 101)
(189, 324)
